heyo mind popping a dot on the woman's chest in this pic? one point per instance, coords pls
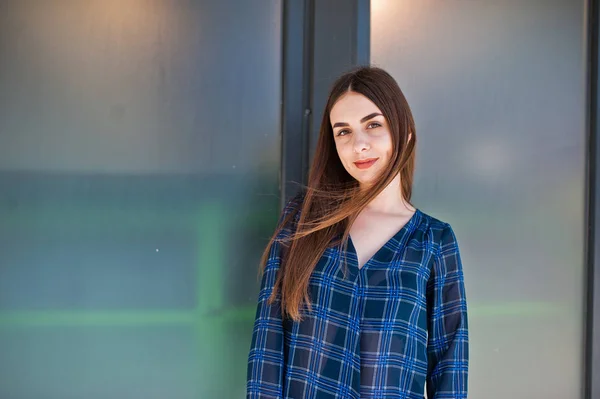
(371, 234)
(373, 299)
(399, 276)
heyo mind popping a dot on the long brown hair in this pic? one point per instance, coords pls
(332, 199)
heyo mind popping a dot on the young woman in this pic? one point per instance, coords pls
(362, 295)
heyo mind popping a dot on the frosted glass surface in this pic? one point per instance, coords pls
(139, 183)
(497, 88)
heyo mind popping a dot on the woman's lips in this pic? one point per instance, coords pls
(365, 163)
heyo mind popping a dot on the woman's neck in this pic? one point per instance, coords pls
(390, 200)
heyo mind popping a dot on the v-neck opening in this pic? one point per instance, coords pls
(404, 230)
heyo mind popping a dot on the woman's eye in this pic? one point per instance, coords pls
(373, 125)
(342, 132)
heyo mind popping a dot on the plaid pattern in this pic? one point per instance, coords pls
(391, 329)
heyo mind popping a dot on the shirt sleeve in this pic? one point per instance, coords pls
(265, 359)
(448, 342)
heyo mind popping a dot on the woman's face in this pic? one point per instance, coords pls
(362, 137)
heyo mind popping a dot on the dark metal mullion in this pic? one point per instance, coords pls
(592, 328)
(341, 42)
(363, 32)
(309, 46)
(295, 92)
(321, 40)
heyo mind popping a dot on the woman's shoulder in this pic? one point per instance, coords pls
(294, 203)
(438, 231)
(290, 214)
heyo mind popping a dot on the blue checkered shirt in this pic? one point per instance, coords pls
(391, 329)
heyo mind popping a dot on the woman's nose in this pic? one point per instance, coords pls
(361, 144)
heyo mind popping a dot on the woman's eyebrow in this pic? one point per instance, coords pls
(366, 118)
